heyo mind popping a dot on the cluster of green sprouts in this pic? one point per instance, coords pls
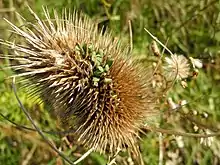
(101, 65)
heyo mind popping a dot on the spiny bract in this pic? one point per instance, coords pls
(86, 76)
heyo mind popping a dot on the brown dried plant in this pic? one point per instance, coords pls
(88, 77)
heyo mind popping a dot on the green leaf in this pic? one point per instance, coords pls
(97, 73)
(106, 68)
(101, 69)
(95, 79)
(107, 80)
(109, 62)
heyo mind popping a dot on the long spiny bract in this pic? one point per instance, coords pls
(87, 78)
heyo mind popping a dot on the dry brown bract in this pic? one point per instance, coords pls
(87, 77)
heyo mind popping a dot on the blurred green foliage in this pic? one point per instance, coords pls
(190, 27)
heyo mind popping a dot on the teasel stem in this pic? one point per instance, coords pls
(36, 127)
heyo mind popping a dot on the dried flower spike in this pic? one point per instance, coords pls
(86, 77)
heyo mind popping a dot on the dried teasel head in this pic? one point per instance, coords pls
(87, 77)
(176, 67)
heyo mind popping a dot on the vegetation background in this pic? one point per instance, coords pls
(191, 28)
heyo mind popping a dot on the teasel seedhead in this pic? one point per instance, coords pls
(88, 77)
(176, 67)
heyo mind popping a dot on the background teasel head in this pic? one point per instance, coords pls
(88, 78)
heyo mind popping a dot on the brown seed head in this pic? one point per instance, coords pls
(87, 77)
